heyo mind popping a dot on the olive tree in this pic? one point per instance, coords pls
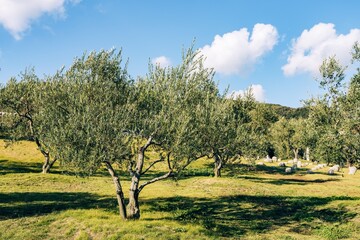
(335, 114)
(256, 133)
(288, 136)
(351, 113)
(224, 128)
(86, 107)
(102, 118)
(170, 106)
(22, 105)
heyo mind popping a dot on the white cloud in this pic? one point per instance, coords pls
(314, 45)
(16, 16)
(237, 51)
(257, 90)
(162, 61)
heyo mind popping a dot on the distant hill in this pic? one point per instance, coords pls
(288, 112)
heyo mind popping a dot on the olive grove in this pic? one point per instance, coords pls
(93, 115)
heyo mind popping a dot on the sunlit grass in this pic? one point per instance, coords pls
(263, 203)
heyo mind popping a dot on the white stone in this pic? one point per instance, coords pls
(336, 168)
(274, 159)
(288, 170)
(331, 171)
(352, 170)
(298, 164)
(282, 164)
(321, 166)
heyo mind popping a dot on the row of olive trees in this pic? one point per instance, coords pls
(93, 115)
(332, 129)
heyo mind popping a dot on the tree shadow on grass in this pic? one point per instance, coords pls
(287, 181)
(235, 216)
(10, 167)
(17, 205)
(233, 170)
(240, 169)
(7, 166)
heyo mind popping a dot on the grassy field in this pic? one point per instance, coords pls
(247, 203)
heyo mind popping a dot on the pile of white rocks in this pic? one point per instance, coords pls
(334, 169)
(271, 160)
(318, 167)
(352, 170)
(291, 169)
(282, 164)
(268, 159)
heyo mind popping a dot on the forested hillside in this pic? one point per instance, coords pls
(288, 112)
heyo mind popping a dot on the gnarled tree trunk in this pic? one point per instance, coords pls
(133, 209)
(296, 153)
(47, 163)
(119, 192)
(217, 166)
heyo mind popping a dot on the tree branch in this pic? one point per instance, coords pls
(190, 160)
(130, 168)
(168, 174)
(53, 161)
(152, 164)
(168, 161)
(147, 144)
(165, 176)
(110, 169)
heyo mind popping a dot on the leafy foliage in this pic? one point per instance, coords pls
(334, 117)
(85, 107)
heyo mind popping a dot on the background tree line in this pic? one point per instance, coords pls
(94, 115)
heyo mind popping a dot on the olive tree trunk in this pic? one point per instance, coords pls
(47, 163)
(307, 154)
(133, 209)
(118, 189)
(296, 153)
(217, 166)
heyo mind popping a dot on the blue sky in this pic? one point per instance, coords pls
(274, 46)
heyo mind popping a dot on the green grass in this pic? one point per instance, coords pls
(249, 202)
